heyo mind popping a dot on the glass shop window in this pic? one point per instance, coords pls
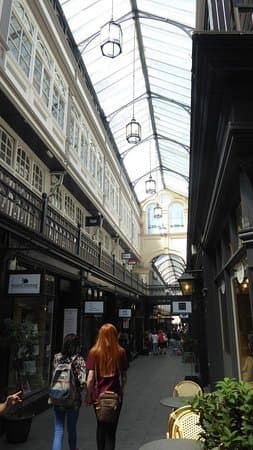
(244, 328)
(30, 362)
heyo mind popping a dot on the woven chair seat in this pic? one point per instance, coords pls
(186, 388)
(183, 423)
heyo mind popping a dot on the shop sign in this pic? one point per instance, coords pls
(93, 221)
(70, 321)
(132, 261)
(125, 313)
(94, 307)
(181, 307)
(126, 255)
(24, 283)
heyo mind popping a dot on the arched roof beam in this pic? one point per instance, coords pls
(185, 107)
(160, 168)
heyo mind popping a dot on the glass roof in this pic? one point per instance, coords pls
(158, 90)
(170, 267)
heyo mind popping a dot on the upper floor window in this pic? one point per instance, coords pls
(59, 99)
(41, 80)
(79, 216)
(84, 147)
(41, 73)
(21, 34)
(23, 164)
(176, 215)
(153, 222)
(99, 175)
(56, 199)
(74, 131)
(58, 107)
(37, 178)
(6, 147)
(69, 207)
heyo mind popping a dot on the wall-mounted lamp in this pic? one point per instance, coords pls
(186, 282)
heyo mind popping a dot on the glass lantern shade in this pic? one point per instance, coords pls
(133, 132)
(150, 186)
(186, 282)
(158, 212)
(111, 39)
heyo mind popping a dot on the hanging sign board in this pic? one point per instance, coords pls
(126, 255)
(132, 261)
(24, 283)
(125, 313)
(70, 321)
(181, 307)
(93, 221)
(94, 307)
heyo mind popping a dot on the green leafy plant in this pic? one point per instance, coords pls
(226, 415)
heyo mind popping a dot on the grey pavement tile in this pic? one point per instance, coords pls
(142, 417)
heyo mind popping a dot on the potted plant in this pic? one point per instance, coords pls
(19, 338)
(226, 416)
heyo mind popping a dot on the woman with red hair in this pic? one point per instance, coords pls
(106, 365)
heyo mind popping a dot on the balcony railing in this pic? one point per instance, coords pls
(22, 206)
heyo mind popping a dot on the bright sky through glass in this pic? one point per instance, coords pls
(162, 82)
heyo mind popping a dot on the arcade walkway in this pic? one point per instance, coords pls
(142, 418)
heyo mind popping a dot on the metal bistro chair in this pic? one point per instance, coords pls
(186, 388)
(184, 424)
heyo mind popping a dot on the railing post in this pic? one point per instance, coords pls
(99, 254)
(44, 213)
(78, 243)
(113, 264)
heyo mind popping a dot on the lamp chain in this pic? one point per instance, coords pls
(134, 72)
(112, 10)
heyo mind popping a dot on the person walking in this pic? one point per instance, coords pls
(69, 353)
(154, 338)
(106, 366)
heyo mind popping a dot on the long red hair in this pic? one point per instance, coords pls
(107, 351)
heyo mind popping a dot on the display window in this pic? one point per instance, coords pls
(244, 327)
(29, 366)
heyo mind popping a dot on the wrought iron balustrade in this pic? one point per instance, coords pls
(17, 202)
(21, 205)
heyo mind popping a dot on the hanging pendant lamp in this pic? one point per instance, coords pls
(158, 212)
(133, 128)
(111, 38)
(150, 185)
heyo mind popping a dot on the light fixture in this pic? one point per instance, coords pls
(158, 212)
(111, 38)
(186, 282)
(150, 184)
(133, 128)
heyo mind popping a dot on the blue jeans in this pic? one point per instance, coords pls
(72, 417)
